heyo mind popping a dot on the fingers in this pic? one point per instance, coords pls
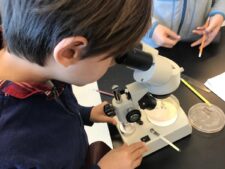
(171, 38)
(135, 146)
(165, 37)
(207, 28)
(214, 24)
(200, 28)
(104, 103)
(199, 42)
(105, 118)
(137, 162)
(196, 43)
(109, 120)
(208, 39)
(210, 28)
(199, 32)
(133, 153)
(169, 43)
(173, 35)
(207, 42)
(137, 151)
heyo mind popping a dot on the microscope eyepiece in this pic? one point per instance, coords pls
(136, 59)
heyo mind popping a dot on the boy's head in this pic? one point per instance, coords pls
(68, 29)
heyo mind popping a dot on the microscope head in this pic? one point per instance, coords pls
(160, 75)
(163, 77)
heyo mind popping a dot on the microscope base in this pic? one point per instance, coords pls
(179, 129)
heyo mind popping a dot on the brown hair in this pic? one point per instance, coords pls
(32, 28)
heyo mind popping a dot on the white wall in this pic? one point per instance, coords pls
(87, 96)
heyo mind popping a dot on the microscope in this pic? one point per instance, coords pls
(146, 110)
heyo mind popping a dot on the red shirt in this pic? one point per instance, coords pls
(22, 90)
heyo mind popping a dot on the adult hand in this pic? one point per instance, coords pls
(124, 157)
(165, 37)
(215, 23)
(98, 114)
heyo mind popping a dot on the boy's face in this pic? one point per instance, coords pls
(89, 70)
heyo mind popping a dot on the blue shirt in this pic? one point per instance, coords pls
(41, 133)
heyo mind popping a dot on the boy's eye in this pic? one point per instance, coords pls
(120, 58)
(113, 62)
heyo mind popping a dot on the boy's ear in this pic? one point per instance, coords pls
(67, 52)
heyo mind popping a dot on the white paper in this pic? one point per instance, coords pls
(216, 84)
(87, 96)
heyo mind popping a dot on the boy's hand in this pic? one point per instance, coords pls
(98, 114)
(124, 157)
(165, 37)
(211, 31)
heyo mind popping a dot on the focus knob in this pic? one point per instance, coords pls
(133, 116)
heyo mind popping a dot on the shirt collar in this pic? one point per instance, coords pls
(24, 90)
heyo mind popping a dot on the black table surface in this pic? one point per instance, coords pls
(199, 150)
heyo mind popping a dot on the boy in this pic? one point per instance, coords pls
(175, 21)
(47, 45)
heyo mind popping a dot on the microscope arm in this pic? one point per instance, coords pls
(155, 75)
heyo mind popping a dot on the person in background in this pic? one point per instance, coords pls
(184, 20)
(47, 46)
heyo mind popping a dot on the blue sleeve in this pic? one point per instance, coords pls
(147, 39)
(152, 29)
(85, 113)
(218, 8)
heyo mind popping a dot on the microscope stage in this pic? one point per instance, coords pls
(179, 129)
